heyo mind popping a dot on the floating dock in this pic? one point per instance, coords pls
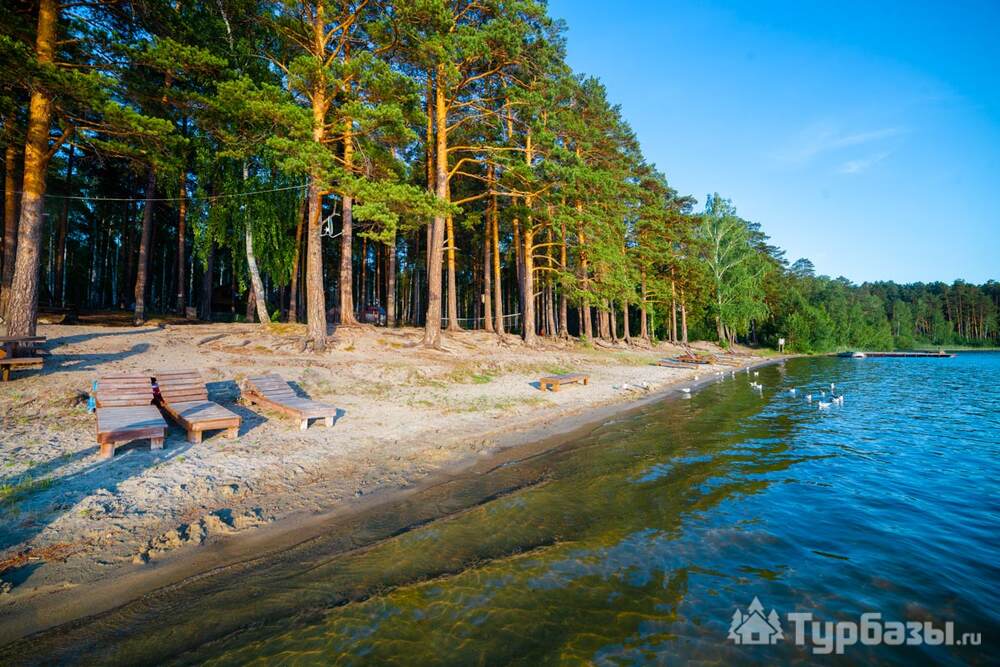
(920, 355)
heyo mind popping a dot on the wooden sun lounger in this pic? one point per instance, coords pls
(271, 391)
(553, 382)
(125, 412)
(184, 397)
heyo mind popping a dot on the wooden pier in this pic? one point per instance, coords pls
(920, 355)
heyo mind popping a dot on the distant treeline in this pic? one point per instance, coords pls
(821, 314)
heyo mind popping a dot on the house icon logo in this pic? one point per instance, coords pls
(753, 628)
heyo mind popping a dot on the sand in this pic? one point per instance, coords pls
(69, 518)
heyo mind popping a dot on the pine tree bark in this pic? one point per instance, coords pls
(684, 319)
(390, 284)
(643, 324)
(142, 270)
(432, 327)
(347, 251)
(497, 286)
(488, 267)
(452, 284)
(315, 296)
(563, 301)
(673, 311)
(22, 306)
(626, 331)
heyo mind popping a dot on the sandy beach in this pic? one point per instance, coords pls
(70, 519)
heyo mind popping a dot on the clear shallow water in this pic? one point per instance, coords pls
(636, 543)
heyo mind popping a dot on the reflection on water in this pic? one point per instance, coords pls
(636, 543)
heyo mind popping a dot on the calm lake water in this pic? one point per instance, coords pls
(637, 542)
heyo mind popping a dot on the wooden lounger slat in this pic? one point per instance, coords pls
(184, 397)
(125, 412)
(273, 392)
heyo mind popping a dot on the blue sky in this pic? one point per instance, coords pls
(864, 136)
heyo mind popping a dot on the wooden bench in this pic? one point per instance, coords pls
(553, 382)
(271, 391)
(8, 364)
(183, 396)
(125, 412)
(19, 352)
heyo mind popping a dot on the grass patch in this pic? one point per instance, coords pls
(12, 494)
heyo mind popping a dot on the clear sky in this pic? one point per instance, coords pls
(862, 135)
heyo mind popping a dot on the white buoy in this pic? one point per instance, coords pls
(756, 373)
(792, 391)
(686, 390)
(832, 386)
(822, 393)
(823, 405)
(809, 398)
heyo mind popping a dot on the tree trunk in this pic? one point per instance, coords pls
(643, 324)
(22, 306)
(488, 267)
(432, 327)
(256, 286)
(563, 301)
(293, 295)
(207, 283)
(390, 287)
(497, 286)
(182, 242)
(10, 200)
(315, 298)
(626, 332)
(684, 319)
(673, 311)
(528, 327)
(452, 286)
(57, 292)
(142, 270)
(347, 252)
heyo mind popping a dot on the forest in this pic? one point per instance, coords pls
(429, 163)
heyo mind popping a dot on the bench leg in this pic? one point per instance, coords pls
(233, 432)
(107, 450)
(194, 437)
(304, 424)
(586, 381)
(6, 373)
(328, 421)
(554, 386)
(156, 443)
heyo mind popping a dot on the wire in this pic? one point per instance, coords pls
(163, 199)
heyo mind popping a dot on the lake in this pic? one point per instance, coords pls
(644, 540)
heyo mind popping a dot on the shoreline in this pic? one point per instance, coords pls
(23, 616)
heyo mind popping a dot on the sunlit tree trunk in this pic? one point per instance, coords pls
(497, 286)
(432, 327)
(643, 326)
(488, 265)
(563, 301)
(22, 306)
(315, 296)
